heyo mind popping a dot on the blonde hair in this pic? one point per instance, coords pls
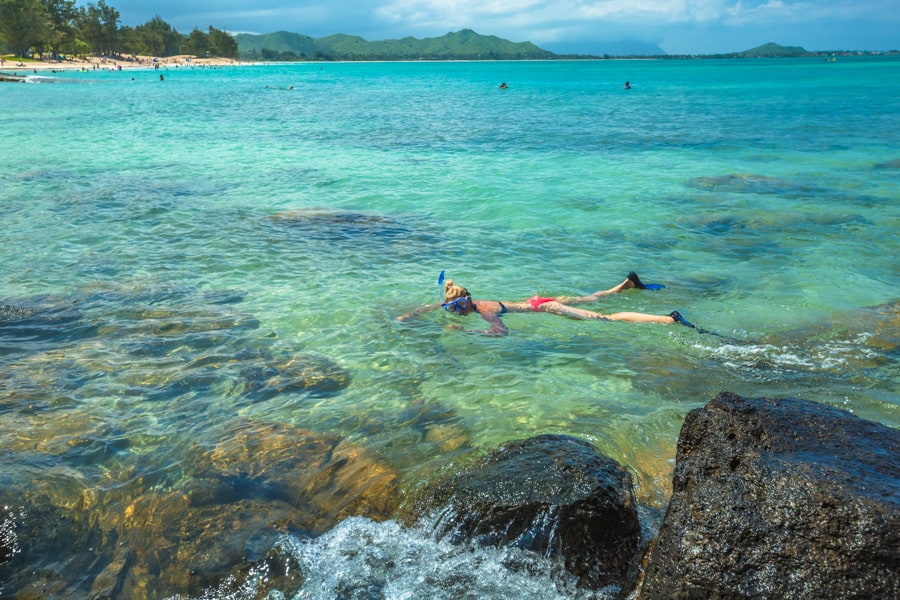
(452, 291)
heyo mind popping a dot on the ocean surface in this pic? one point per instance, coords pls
(191, 265)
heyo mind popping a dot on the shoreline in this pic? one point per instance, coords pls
(14, 66)
(93, 63)
(15, 69)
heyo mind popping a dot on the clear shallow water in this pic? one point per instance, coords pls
(177, 255)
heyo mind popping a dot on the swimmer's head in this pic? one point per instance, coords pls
(453, 291)
(457, 299)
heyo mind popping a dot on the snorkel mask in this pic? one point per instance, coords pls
(458, 306)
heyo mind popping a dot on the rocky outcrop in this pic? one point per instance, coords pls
(554, 495)
(772, 498)
(779, 498)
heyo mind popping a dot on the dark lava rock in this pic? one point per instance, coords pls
(779, 498)
(554, 495)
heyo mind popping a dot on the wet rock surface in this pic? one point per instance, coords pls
(554, 495)
(779, 498)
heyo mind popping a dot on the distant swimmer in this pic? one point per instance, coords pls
(503, 86)
(627, 85)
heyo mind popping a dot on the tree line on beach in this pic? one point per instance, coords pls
(60, 28)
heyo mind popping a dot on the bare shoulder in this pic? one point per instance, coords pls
(488, 306)
(496, 307)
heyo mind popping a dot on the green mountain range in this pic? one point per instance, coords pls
(458, 45)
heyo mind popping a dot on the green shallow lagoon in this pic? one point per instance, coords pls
(179, 256)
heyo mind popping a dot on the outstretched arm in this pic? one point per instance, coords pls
(497, 326)
(419, 311)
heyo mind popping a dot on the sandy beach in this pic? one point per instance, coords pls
(22, 67)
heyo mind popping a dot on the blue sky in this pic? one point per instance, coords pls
(587, 26)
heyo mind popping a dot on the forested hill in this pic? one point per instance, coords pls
(773, 50)
(458, 45)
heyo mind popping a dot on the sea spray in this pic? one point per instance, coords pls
(384, 560)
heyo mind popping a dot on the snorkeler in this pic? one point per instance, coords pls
(458, 300)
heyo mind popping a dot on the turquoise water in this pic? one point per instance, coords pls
(179, 254)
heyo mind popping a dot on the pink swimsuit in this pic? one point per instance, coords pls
(537, 301)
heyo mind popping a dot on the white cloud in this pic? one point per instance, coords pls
(534, 11)
(849, 23)
(433, 12)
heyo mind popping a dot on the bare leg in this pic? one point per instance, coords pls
(625, 285)
(634, 317)
(558, 308)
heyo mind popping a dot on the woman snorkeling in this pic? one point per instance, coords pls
(458, 300)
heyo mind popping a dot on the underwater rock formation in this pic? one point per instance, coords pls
(338, 225)
(61, 538)
(744, 183)
(889, 164)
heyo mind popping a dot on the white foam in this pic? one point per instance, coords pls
(362, 558)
